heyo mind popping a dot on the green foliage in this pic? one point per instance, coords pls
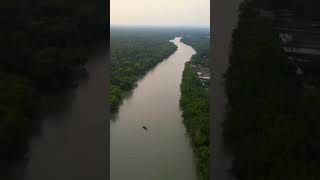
(136, 51)
(195, 106)
(133, 53)
(272, 122)
(200, 41)
(194, 100)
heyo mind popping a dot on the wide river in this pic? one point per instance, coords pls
(163, 152)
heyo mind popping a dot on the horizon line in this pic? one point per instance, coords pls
(163, 26)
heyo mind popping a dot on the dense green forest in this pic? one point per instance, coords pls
(195, 106)
(273, 122)
(44, 45)
(194, 102)
(200, 41)
(134, 51)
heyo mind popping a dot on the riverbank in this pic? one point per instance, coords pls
(163, 151)
(195, 106)
(146, 49)
(194, 100)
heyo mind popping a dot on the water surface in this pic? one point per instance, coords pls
(163, 152)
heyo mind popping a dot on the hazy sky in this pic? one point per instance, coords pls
(160, 12)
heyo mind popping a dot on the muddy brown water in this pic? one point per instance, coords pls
(164, 150)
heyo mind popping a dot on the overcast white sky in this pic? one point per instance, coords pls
(160, 12)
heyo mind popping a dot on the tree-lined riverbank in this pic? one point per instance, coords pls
(133, 54)
(195, 105)
(162, 150)
(194, 100)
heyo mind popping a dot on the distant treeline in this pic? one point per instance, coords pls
(133, 53)
(194, 101)
(200, 41)
(272, 122)
(44, 45)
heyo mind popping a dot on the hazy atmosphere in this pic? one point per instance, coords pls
(160, 12)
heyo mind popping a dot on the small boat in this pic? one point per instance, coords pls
(145, 128)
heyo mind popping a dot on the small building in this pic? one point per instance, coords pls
(205, 78)
(203, 74)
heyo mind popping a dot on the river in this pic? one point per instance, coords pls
(71, 142)
(164, 150)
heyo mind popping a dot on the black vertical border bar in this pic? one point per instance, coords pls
(108, 70)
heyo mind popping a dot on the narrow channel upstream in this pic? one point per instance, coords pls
(163, 152)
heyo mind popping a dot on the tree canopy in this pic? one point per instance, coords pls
(133, 53)
(194, 101)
